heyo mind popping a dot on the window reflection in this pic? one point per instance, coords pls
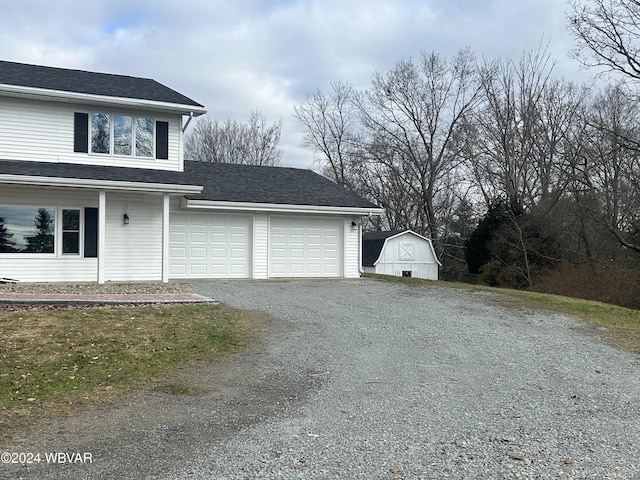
(122, 135)
(27, 230)
(144, 137)
(100, 133)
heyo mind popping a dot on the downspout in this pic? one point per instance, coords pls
(360, 268)
(184, 128)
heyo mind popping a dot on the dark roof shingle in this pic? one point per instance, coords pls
(372, 243)
(222, 181)
(91, 172)
(93, 83)
(274, 185)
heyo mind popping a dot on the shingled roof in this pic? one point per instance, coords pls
(91, 172)
(222, 182)
(274, 185)
(93, 83)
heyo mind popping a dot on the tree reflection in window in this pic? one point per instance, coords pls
(6, 238)
(122, 135)
(42, 241)
(27, 230)
(100, 133)
(144, 137)
(70, 231)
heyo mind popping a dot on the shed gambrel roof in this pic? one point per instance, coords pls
(372, 243)
(224, 182)
(90, 83)
(244, 184)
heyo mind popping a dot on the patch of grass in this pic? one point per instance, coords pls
(618, 326)
(51, 358)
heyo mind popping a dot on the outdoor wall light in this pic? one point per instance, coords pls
(125, 219)
(354, 225)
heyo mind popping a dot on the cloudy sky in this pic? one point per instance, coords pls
(235, 56)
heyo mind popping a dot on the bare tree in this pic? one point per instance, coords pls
(607, 34)
(515, 143)
(251, 143)
(610, 165)
(330, 121)
(415, 111)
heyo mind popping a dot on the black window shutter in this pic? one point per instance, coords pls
(90, 232)
(81, 132)
(162, 140)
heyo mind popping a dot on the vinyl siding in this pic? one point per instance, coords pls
(351, 249)
(43, 132)
(261, 246)
(134, 251)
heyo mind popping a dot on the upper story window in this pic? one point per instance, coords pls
(121, 135)
(124, 135)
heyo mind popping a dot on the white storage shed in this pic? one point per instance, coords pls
(399, 253)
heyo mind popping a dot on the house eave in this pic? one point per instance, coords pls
(100, 184)
(279, 208)
(92, 99)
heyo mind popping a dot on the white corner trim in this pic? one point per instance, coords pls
(278, 208)
(100, 184)
(75, 97)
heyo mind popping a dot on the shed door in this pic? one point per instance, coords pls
(204, 245)
(305, 247)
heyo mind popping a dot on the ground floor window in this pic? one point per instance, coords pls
(48, 230)
(70, 231)
(27, 229)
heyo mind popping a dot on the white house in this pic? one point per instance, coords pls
(94, 187)
(399, 253)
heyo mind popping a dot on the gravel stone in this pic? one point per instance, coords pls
(95, 288)
(363, 379)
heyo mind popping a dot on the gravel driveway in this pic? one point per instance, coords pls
(369, 380)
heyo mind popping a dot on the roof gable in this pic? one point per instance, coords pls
(91, 83)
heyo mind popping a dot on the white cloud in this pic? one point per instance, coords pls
(235, 57)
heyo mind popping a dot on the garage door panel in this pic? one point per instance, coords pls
(218, 238)
(305, 247)
(179, 252)
(199, 269)
(198, 237)
(218, 245)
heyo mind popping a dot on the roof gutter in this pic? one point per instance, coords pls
(75, 97)
(279, 208)
(101, 184)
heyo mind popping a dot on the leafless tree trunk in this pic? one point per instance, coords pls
(610, 167)
(413, 113)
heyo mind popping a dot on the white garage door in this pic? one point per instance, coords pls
(209, 246)
(305, 247)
